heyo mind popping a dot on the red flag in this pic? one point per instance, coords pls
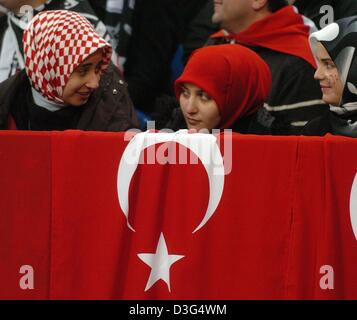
(282, 215)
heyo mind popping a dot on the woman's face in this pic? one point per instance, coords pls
(84, 80)
(328, 76)
(199, 109)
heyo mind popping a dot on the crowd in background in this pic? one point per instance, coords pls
(253, 66)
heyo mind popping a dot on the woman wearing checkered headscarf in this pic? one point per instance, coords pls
(55, 44)
(67, 84)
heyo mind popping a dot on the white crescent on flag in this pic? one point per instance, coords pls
(353, 206)
(204, 146)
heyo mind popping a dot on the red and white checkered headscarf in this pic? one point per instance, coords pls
(55, 44)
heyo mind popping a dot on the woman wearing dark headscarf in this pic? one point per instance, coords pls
(335, 49)
(65, 84)
(222, 87)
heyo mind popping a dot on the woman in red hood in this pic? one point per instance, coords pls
(222, 87)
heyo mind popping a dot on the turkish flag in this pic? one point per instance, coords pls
(94, 229)
(239, 253)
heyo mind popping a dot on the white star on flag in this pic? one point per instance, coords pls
(160, 263)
